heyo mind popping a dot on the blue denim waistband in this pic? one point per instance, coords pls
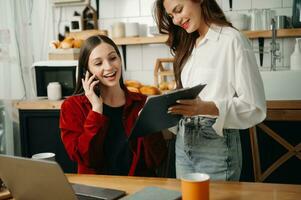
(197, 121)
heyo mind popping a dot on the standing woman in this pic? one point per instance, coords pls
(209, 50)
(97, 121)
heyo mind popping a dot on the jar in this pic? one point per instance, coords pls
(256, 22)
(132, 29)
(54, 91)
(118, 30)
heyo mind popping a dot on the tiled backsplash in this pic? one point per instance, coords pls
(141, 58)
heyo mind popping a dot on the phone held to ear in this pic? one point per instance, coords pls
(97, 86)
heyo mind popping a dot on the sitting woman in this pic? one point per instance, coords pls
(97, 120)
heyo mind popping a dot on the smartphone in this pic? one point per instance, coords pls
(97, 86)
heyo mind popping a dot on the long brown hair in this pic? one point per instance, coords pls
(180, 42)
(83, 59)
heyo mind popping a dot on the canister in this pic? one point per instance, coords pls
(118, 30)
(132, 29)
(54, 91)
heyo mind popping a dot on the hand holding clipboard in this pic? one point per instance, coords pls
(154, 116)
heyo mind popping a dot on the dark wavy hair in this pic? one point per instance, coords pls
(83, 60)
(180, 42)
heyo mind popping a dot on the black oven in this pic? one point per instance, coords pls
(55, 71)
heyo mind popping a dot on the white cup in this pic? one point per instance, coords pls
(132, 29)
(143, 30)
(44, 156)
(54, 91)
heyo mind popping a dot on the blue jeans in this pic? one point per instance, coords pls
(200, 149)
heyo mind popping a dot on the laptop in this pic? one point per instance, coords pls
(39, 179)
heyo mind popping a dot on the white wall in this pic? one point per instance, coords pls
(141, 58)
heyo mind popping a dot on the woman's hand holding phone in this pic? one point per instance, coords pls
(88, 85)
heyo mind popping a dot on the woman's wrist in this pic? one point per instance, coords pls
(97, 109)
(211, 108)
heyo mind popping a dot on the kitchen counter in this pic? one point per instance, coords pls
(46, 104)
(43, 104)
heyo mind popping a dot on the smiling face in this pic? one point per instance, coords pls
(184, 13)
(105, 63)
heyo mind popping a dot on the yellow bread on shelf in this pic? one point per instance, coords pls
(132, 83)
(149, 90)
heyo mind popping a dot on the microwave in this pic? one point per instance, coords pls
(62, 71)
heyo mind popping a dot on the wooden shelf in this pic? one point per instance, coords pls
(281, 33)
(140, 40)
(268, 33)
(36, 104)
(83, 35)
(160, 39)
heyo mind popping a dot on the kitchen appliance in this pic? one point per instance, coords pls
(63, 72)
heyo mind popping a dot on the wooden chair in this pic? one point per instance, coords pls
(277, 111)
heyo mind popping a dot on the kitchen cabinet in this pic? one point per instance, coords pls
(39, 132)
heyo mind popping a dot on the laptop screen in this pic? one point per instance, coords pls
(39, 179)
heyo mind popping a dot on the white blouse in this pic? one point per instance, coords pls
(224, 60)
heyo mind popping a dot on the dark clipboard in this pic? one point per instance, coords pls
(154, 117)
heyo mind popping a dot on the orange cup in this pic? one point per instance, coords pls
(195, 186)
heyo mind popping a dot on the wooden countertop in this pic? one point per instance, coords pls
(284, 105)
(46, 104)
(219, 190)
(37, 104)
